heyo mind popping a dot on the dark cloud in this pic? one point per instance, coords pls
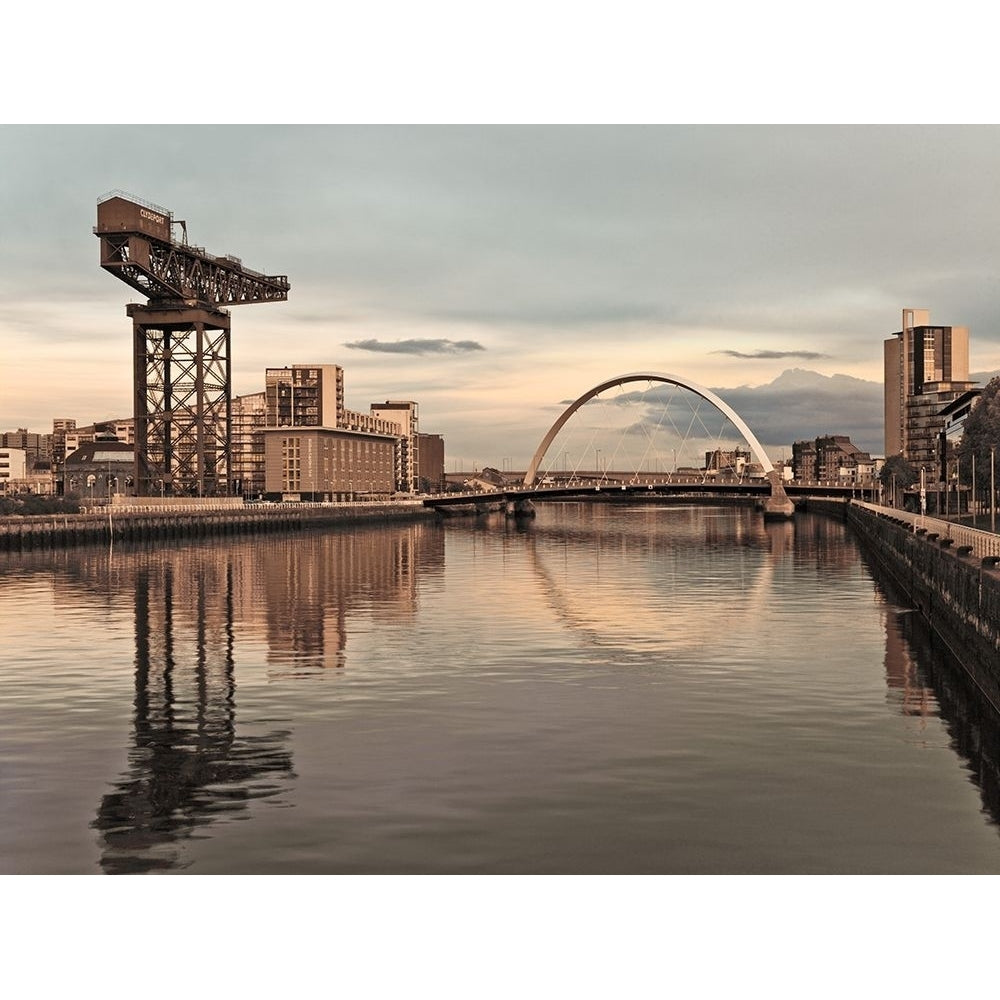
(773, 355)
(801, 405)
(428, 346)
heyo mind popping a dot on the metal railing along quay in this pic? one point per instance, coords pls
(981, 544)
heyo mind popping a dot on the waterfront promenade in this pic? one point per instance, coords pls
(137, 523)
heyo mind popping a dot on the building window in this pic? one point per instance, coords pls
(291, 472)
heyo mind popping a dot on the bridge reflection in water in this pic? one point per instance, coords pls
(914, 688)
(612, 623)
(189, 765)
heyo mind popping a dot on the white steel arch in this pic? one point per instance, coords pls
(699, 390)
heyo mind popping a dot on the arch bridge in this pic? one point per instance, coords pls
(775, 500)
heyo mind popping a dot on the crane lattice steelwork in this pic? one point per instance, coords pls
(181, 336)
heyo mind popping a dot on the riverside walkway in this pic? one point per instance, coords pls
(971, 541)
(111, 523)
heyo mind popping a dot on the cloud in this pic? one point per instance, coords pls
(773, 355)
(428, 346)
(801, 405)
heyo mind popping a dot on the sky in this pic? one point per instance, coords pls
(494, 273)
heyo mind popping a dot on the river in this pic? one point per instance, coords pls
(603, 689)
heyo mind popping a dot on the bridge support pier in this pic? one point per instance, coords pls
(778, 506)
(520, 508)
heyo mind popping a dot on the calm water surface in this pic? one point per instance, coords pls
(604, 689)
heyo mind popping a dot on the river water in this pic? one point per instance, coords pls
(603, 689)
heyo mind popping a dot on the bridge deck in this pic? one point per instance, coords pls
(592, 489)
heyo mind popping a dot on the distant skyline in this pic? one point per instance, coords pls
(490, 272)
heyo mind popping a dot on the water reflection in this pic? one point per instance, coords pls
(297, 593)
(924, 680)
(639, 568)
(477, 714)
(187, 765)
(310, 590)
(972, 723)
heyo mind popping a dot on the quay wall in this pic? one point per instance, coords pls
(831, 506)
(954, 587)
(118, 524)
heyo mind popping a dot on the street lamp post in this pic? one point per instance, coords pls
(975, 504)
(993, 487)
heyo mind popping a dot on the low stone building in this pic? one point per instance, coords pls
(98, 470)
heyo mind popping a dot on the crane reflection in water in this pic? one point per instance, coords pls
(187, 766)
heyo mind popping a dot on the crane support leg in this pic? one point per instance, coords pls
(182, 382)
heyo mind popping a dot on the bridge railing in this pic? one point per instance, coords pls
(981, 543)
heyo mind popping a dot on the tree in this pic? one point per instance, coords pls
(981, 436)
(897, 474)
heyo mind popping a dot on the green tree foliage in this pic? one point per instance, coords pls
(898, 470)
(981, 434)
(27, 504)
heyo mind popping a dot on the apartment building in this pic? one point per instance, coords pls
(430, 463)
(13, 467)
(305, 396)
(926, 368)
(832, 458)
(61, 426)
(727, 463)
(248, 419)
(37, 447)
(405, 413)
(350, 451)
(328, 464)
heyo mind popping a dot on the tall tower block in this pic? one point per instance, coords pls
(921, 360)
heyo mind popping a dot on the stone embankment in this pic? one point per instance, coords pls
(949, 572)
(120, 523)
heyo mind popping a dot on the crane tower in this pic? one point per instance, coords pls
(181, 340)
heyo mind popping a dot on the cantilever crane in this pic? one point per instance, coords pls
(181, 344)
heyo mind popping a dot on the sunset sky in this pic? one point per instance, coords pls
(490, 273)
